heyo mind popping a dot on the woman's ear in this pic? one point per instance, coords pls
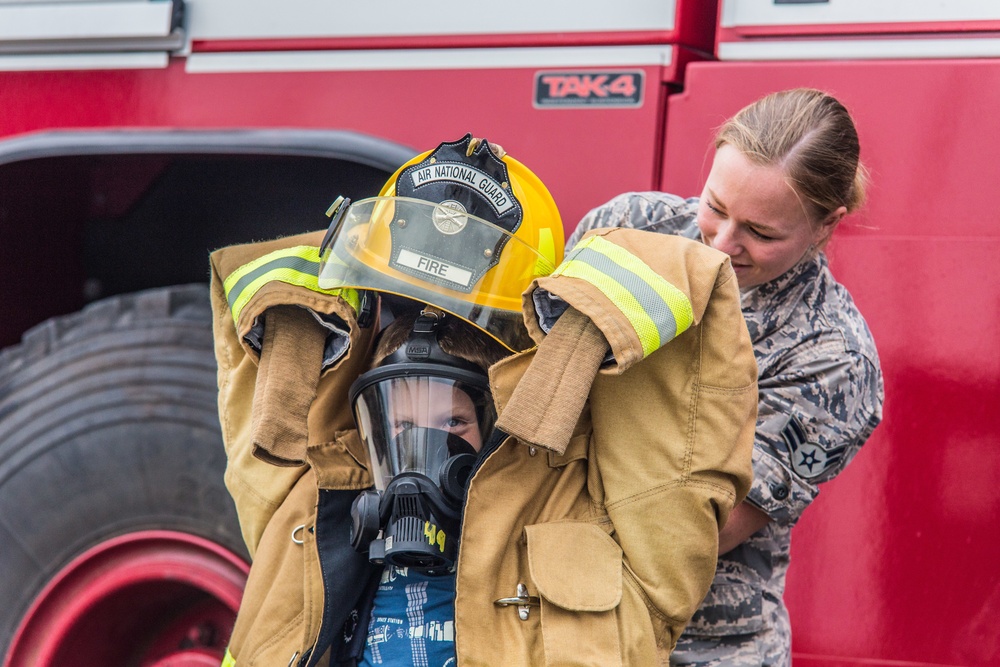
(825, 229)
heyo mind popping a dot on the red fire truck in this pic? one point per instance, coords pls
(137, 135)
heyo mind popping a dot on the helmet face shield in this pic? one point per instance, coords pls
(416, 423)
(439, 254)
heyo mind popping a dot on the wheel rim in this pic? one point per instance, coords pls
(149, 599)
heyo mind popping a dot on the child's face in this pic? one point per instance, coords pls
(438, 405)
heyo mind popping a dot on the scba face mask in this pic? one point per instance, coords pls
(423, 414)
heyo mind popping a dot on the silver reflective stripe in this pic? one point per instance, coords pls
(656, 309)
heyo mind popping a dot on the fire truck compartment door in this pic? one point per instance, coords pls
(264, 19)
(75, 26)
(857, 29)
(850, 16)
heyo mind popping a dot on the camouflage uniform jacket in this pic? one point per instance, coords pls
(820, 398)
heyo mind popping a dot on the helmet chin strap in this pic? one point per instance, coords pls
(422, 345)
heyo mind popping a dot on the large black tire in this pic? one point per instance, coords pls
(108, 426)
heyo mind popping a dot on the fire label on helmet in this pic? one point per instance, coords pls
(468, 176)
(435, 267)
(588, 89)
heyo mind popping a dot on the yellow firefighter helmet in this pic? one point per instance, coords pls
(460, 228)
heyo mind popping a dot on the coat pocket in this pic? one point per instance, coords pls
(577, 570)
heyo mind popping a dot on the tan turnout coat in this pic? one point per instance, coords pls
(606, 506)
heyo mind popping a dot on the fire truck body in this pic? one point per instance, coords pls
(137, 136)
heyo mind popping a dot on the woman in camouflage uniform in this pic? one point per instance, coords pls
(785, 173)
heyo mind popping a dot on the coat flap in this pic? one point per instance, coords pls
(505, 375)
(576, 566)
(341, 464)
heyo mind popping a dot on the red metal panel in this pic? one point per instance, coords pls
(695, 24)
(571, 149)
(896, 560)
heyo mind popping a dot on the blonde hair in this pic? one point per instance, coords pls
(812, 137)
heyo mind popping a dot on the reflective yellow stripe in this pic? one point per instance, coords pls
(294, 266)
(657, 311)
(228, 661)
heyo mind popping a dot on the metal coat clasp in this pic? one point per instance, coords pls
(523, 602)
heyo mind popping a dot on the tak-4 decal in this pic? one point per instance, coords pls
(584, 89)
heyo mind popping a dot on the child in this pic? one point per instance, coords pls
(425, 411)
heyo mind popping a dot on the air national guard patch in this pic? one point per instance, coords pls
(447, 247)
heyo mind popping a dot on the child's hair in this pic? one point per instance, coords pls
(455, 337)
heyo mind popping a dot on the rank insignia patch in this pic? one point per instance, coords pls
(808, 459)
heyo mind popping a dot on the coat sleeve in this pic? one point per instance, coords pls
(673, 423)
(264, 295)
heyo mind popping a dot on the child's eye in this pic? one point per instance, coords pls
(455, 422)
(713, 209)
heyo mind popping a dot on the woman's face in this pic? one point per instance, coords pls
(752, 214)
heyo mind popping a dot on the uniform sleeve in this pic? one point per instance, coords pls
(651, 211)
(813, 416)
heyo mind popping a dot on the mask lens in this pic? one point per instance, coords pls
(415, 423)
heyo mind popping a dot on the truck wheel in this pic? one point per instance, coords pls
(119, 544)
